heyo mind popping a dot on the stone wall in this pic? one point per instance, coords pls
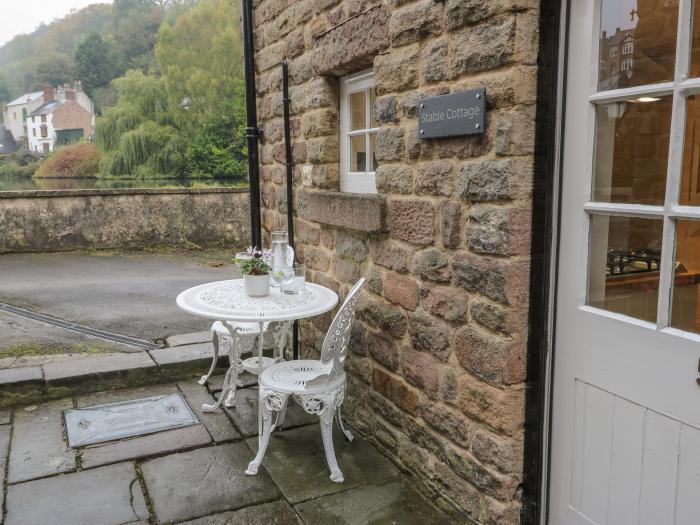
(437, 365)
(101, 219)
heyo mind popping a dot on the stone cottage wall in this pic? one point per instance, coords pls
(437, 364)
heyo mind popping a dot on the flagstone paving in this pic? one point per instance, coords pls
(195, 474)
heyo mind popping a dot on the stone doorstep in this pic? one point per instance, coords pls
(25, 385)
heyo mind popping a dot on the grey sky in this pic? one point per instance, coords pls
(23, 16)
(616, 13)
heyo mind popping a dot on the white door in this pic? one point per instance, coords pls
(626, 401)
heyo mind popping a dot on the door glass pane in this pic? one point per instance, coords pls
(690, 179)
(358, 153)
(624, 260)
(357, 110)
(631, 150)
(637, 42)
(684, 307)
(695, 44)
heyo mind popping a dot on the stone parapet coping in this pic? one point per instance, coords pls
(23, 194)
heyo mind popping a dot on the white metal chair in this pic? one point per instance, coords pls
(318, 386)
(237, 339)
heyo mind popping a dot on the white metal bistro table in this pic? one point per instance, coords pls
(227, 301)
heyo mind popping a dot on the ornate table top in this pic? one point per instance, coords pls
(227, 301)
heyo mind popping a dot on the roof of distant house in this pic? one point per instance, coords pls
(47, 108)
(27, 97)
(7, 142)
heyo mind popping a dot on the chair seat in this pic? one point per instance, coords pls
(292, 377)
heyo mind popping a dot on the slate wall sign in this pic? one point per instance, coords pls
(451, 115)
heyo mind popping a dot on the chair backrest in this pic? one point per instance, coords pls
(335, 345)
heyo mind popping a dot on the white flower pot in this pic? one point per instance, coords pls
(257, 285)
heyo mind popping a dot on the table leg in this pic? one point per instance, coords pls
(261, 341)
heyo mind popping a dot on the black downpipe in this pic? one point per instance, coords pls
(290, 183)
(251, 131)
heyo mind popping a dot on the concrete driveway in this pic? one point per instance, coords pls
(128, 293)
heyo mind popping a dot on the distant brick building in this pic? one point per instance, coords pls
(440, 227)
(66, 115)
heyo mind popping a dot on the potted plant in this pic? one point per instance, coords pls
(256, 272)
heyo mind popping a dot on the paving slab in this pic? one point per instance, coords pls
(201, 482)
(144, 446)
(297, 455)
(98, 372)
(80, 369)
(246, 379)
(186, 360)
(387, 503)
(5, 432)
(37, 448)
(245, 413)
(275, 513)
(104, 496)
(5, 416)
(19, 384)
(219, 426)
(188, 339)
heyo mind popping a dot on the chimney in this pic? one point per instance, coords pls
(605, 35)
(70, 94)
(48, 94)
(78, 85)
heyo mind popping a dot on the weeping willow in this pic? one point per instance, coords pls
(137, 135)
(151, 150)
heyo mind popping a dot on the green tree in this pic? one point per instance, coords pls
(189, 120)
(200, 61)
(4, 91)
(52, 69)
(95, 62)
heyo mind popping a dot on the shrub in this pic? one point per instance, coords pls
(77, 160)
(19, 164)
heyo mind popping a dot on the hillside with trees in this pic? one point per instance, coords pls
(103, 40)
(167, 77)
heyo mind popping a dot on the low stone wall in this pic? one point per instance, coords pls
(35, 221)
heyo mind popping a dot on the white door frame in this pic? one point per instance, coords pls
(555, 212)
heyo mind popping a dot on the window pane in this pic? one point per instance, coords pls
(357, 111)
(358, 153)
(372, 112)
(690, 178)
(686, 284)
(624, 265)
(372, 140)
(637, 42)
(631, 151)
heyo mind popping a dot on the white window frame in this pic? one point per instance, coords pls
(671, 211)
(613, 51)
(356, 181)
(627, 64)
(628, 47)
